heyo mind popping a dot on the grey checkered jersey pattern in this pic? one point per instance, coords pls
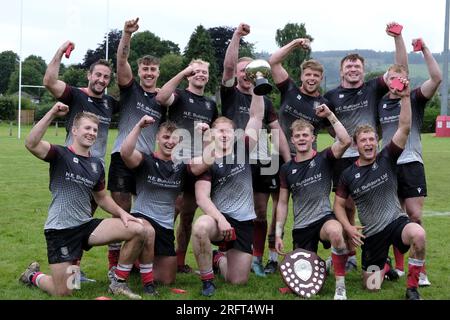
(186, 110)
(310, 183)
(295, 105)
(158, 183)
(136, 103)
(374, 189)
(357, 106)
(389, 112)
(104, 108)
(73, 178)
(231, 187)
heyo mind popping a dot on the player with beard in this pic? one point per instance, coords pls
(137, 99)
(372, 183)
(236, 97)
(411, 174)
(186, 108)
(355, 103)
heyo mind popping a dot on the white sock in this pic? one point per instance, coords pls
(273, 256)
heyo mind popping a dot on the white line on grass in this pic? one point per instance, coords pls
(436, 213)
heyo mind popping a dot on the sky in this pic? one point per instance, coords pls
(334, 25)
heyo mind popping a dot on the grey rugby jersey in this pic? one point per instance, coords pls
(78, 101)
(73, 178)
(295, 105)
(136, 103)
(187, 109)
(231, 186)
(357, 106)
(374, 189)
(309, 182)
(158, 183)
(236, 107)
(389, 112)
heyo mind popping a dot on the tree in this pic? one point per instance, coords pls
(33, 70)
(200, 47)
(92, 56)
(147, 43)
(221, 37)
(170, 65)
(8, 62)
(75, 76)
(283, 36)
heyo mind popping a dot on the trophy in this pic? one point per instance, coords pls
(304, 272)
(257, 72)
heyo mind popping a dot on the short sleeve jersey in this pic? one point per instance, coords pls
(389, 112)
(357, 106)
(136, 103)
(231, 185)
(236, 107)
(73, 178)
(296, 105)
(78, 101)
(158, 183)
(374, 189)
(309, 182)
(186, 110)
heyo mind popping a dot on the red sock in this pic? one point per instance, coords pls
(146, 271)
(181, 258)
(399, 260)
(113, 258)
(122, 271)
(352, 253)
(414, 268)
(339, 263)
(259, 237)
(34, 278)
(207, 275)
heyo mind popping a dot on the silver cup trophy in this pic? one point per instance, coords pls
(257, 72)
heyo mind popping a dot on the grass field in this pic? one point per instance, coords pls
(25, 198)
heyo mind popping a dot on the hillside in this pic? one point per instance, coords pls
(374, 61)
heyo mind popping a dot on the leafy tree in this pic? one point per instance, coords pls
(221, 37)
(170, 65)
(147, 43)
(92, 56)
(373, 75)
(283, 36)
(8, 62)
(36, 62)
(33, 70)
(75, 76)
(200, 46)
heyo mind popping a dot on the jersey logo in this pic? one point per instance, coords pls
(105, 103)
(384, 106)
(220, 165)
(90, 100)
(358, 175)
(191, 100)
(359, 93)
(374, 166)
(157, 165)
(94, 167)
(145, 94)
(75, 160)
(419, 190)
(208, 105)
(341, 96)
(299, 97)
(312, 164)
(294, 171)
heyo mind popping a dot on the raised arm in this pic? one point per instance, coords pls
(401, 55)
(280, 74)
(124, 72)
(404, 121)
(51, 81)
(232, 54)
(282, 210)
(254, 124)
(128, 152)
(430, 86)
(34, 142)
(165, 96)
(343, 140)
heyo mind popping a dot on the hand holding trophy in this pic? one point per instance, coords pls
(257, 72)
